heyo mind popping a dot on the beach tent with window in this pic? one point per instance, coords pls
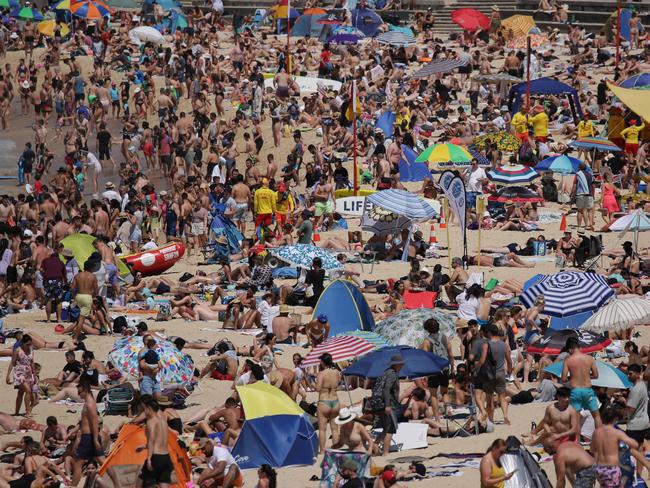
(346, 308)
(125, 460)
(545, 86)
(308, 25)
(366, 20)
(276, 430)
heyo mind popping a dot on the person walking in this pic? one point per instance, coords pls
(605, 449)
(157, 469)
(89, 446)
(385, 401)
(579, 369)
(24, 379)
(497, 352)
(439, 345)
(327, 382)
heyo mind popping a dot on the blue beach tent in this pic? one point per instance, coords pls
(346, 308)
(410, 170)
(366, 20)
(545, 86)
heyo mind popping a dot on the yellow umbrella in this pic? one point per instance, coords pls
(49, 27)
(520, 25)
(62, 5)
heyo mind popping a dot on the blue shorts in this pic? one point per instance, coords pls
(481, 322)
(471, 199)
(149, 386)
(584, 399)
(112, 273)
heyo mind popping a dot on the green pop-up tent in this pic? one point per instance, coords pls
(82, 247)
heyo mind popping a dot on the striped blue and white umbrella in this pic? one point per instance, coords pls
(395, 38)
(476, 154)
(302, 255)
(512, 174)
(402, 202)
(608, 375)
(439, 66)
(568, 293)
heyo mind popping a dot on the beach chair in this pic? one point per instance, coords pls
(117, 401)
(463, 416)
(420, 299)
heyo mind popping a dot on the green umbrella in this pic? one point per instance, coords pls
(27, 13)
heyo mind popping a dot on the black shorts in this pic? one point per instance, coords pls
(27, 169)
(478, 384)
(639, 435)
(86, 449)
(439, 380)
(388, 422)
(104, 153)
(166, 160)
(467, 69)
(161, 470)
(79, 97)
(12, 273)
(162, 288)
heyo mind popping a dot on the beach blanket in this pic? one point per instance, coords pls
(549, 217)
(248, 332)
(467, 463)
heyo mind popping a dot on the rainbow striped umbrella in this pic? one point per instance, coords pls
(445, 155)
(90, 9)
(27, 13)
(597, 143)
(512, 174)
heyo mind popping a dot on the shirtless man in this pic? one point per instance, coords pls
(84, 289)
(39, 253)
(384, 180)
(89, 446)
(511, 64)
(101, 219)
(157, 469)
(40, 137)
(580, 369)
(604, 447)
(457, 280)
(571, 461)
(163, 103)
(285, 332)
(226, 419)
(394, 153)
(323, 197)
(60, 230)
(241, 193)
(561, 421)
(282, 83)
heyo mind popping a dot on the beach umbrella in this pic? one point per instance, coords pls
(470, 19)
(619, 314)
(62, 5)
(9, 3)
(314, 11)
(439, 66)
(554, 341)
(504, 141)
(341, 348)
(641, 80)
(635, 222)
(302, 255)
(568, 293)
(559, 164)
(49, 27)
(520, 25)
(417, 363)
(383, 222)
(405, 327)
(536, 40)
(597, 143)
(371, 337)
(177, 367)
(512, 174)
(445, 155)
(518, 194)
(395, 38)
(608, 375)
(497, 78)
(90, 9)
(476, 154)
(344, 38)
(27, 13)
(178, 20)
(404, 203)
(276, 430)
(572, 322)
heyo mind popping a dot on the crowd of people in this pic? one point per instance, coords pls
(143, 144)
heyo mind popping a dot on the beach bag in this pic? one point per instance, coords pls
(375, 402)
(437, 347)
(488, 371)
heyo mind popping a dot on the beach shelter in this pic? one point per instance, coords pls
(82, 247)
(126, 459)
(545, 86)
(638, 101)
(639, 81)
(308, 25)
(611, 25)
(409, 170)
(385, 123)
(520, 25)
(346, 308)
(366, 20)
(276, 431)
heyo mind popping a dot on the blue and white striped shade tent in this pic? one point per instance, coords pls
(439, 66)
(568, 293)
(395, 38)
(402, 202)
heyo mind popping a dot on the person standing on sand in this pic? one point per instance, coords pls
(571, 461)
(83, 289)
(89, 446)
(605, 449)
(579, 369)
(157, 469)
(22, 365)
(327, 382)
(492, 473)
(54, 282)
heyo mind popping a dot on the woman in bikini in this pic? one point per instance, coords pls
(327, 382)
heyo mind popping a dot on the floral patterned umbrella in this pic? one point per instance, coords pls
(405, 327)
(178, 367)
(301, 256)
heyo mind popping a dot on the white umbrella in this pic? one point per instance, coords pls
(619, 314)
(636, 222)
(144, 33)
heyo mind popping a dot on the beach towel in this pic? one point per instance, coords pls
(419, 299)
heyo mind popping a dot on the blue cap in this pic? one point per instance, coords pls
(322, 318)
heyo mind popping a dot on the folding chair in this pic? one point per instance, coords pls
(465, 415)
(117, 401)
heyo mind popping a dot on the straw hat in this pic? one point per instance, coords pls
(284, 308)
(496, 8)
(67, 253)
(109, 184)
(345, 415)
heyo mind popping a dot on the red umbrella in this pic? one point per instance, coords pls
(470, 19)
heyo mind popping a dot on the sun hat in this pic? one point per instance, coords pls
(345, 415)
(67, 253)
(396, 360)
(284, 308)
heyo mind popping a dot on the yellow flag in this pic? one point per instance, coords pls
(354, 107)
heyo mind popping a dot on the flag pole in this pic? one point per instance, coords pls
(528, 50)
(354, 136)
(618, 33)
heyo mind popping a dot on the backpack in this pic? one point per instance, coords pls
(375, 402)
(488, 371)
(437, 347)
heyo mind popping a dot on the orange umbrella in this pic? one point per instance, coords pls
(314, 11)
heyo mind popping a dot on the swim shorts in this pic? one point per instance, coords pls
(584, 399)
(608, 476)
